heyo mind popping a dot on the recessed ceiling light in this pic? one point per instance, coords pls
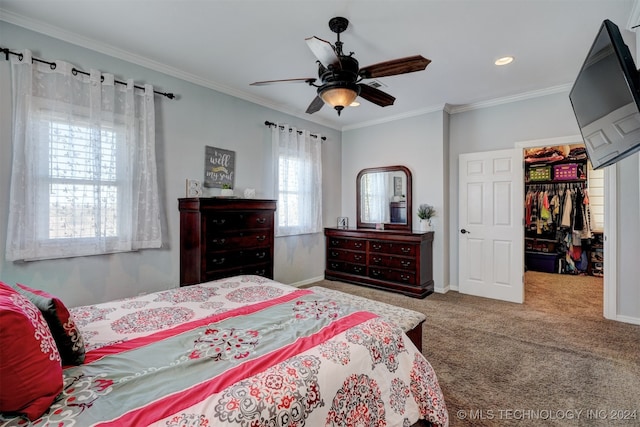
(354, 104)
(504, 60)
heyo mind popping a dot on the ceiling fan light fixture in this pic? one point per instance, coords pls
(339, 96)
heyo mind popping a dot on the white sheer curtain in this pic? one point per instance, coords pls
(375, 190)
(297, 169)
(83, 179)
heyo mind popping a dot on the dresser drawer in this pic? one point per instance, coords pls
(345, 255)
(265, 270)
(399, 276)
(228, 221)
(241, 239)
(352, 244)
(391, 261)
(234, 259)
(347, 267)
(393, 248)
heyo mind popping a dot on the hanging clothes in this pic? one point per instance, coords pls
(567, 209)
(560, 212)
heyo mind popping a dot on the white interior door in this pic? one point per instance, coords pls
(490, 234)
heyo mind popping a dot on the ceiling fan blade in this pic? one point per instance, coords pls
(323, 50)
(409, 64)
(315, 105)
(376, 96)
(308, 80)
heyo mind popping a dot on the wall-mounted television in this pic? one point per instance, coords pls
(606, 99)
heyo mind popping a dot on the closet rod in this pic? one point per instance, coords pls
(268, 123)
(75, 71)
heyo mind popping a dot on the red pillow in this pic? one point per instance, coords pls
(31, 369)
(61, 323)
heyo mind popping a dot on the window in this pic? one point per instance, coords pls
(83, 178)
(81, 183)
(596, 197)
(298, 177)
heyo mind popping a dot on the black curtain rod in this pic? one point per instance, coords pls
(74, 70)
(268, 123)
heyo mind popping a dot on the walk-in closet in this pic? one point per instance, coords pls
(564, 212)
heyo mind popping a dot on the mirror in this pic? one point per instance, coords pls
(384, 197)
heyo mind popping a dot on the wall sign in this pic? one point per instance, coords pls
(219, 167)
(397, 186)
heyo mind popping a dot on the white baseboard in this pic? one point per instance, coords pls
(307, 281)
(442, 290)
(627, 319)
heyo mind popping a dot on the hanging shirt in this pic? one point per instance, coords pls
(566, 211)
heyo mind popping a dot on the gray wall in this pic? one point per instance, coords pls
(418, 143)
(199, 117)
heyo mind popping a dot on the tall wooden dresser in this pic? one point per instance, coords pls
(222, 237)
(390, 260)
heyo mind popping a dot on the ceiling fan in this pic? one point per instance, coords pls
(340, 75)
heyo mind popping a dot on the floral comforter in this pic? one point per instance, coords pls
(243, 351)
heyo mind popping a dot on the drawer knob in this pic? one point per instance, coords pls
(218, 241)
(218, 261)
(405, 250)
(261, 255)
(216, 221)
(261, 220)
(358, 245)
(377, 260)
(404, 277)
(334, 253)
(405, 263)
(377, 247)
(261, 238)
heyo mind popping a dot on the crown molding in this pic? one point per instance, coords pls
(454, 109)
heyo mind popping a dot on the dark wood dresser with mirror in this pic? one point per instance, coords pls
(394, 258)
(223, 237)
(389, 260)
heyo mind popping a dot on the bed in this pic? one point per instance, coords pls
(241, 351)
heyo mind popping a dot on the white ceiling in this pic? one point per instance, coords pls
(225, 45)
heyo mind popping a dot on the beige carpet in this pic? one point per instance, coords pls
(552, 361)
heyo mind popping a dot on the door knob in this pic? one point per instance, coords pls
(463, 231)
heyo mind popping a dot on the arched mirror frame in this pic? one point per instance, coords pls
(387, 226)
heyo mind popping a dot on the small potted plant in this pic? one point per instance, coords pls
(425, 213)
(226, 191)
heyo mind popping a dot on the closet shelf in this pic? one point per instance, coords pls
(541, 239)
(564, 181)
(555, 162)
